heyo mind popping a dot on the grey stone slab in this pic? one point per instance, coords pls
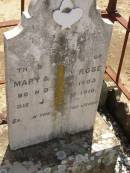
(87, 151)
(54, 70)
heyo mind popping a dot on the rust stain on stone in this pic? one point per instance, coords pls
(59, 87)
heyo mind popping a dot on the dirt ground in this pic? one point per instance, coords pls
(10, 9)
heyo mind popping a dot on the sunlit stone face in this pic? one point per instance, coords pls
(55, 60)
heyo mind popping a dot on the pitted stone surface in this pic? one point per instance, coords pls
(54, 72)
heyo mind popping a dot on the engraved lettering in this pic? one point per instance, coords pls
(93, 69)
(89, 104)
(44, 114)
(92, 90)
(81, 71)
(46, 78)
(45, 90)
(42, 102)
(24, 69)
(30, 81)
(37, 79)
(17, 84)
(39, 66)
(35, 116)
(25, 94)
(14, 121)
(87, 70)
(36, 92)
(20, 95)
(75, 107)
(97, 56)
(94, 80)
(88, 81)
(26, 82)
(20, 106)
(40, 115)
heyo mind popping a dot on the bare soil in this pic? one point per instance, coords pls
(10, 9)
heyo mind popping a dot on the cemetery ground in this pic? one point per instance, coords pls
(11, 10)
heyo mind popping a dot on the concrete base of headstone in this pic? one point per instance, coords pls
(92, 151)
(118, 105)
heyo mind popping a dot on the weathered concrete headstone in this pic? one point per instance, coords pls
(55, 60)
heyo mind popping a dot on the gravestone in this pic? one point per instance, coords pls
(55, 61)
